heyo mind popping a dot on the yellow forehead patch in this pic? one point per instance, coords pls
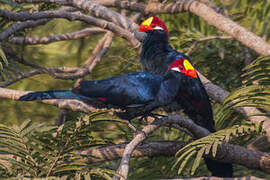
(187, 65)
(148, 21)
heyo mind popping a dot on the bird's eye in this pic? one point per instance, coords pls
(181, 68)
(153, 25)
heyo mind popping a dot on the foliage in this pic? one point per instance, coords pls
(256, 87)
(210, 144)
(39, 150)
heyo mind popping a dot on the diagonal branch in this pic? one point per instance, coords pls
(100, 49)
(140, 137)
(105, 13)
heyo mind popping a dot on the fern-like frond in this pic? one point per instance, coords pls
(255, 91)
(194, 151)
(36, 150)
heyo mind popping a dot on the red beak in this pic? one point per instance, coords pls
(144, 28)
(191, 73)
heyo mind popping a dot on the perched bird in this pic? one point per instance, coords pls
(122, 91)
(156, 57)
(126, 91)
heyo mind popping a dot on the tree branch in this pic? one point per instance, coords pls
(74, 105)
(19, 26)
(54, 38)
(100, 49)
(54, 72)
(140, 137)
(29, 20)
(114, 152)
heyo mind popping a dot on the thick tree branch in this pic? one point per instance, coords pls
(96, 8)
(114, 152)
(25, 16)
(105, 13)
(22, 76)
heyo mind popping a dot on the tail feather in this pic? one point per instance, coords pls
(219, 169)
(56, 94)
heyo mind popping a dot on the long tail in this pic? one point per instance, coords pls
(219, 169)
(56, 94)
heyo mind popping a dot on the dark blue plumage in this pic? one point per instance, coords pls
(134, 89)
(127, 91)
(123, 90)
(156, 57)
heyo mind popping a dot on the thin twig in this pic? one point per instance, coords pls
(54, 38)
(197, 41)
(19, 26)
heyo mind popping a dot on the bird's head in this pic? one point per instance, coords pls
(151, 24)
(183, 66)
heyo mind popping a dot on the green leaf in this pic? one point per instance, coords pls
(197, 160)
(215, 148)
(186, 159)
(3, 56)
(26, 167)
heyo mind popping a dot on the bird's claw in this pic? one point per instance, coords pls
(154, 115)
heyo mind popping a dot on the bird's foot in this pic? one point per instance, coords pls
(154, 115)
